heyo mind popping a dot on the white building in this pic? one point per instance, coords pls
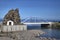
(10, 27)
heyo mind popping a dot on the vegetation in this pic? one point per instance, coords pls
(12, 15)
(56, 25)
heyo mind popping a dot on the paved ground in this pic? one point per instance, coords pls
(25, 35)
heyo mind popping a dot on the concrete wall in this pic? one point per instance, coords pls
(13, 28)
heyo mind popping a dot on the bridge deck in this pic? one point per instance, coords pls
(39, 23)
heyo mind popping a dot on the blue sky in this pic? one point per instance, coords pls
(46, 9)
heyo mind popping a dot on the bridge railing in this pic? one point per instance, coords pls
(37, 22)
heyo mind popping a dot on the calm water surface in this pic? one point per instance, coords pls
(53, 33)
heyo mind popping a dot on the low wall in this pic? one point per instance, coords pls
(13, 28)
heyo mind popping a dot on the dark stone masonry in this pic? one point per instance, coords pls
(12, 15)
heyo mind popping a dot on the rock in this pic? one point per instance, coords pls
(12, 15)
(50, 38)
(54, 39)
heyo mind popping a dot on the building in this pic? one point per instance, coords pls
(12, 22)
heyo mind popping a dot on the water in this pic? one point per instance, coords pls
(53, 33)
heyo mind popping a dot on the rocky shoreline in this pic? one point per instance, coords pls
(26, 35)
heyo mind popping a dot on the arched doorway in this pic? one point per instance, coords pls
(10, 22)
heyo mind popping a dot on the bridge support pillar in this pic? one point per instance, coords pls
(50, 25)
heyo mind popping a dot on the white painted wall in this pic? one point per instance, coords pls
(12, 23)
(14, 28)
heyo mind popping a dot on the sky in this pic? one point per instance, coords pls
(46, 9)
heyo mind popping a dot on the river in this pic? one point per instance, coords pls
(53, 33)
